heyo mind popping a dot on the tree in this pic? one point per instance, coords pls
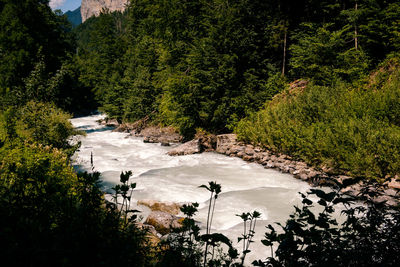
(30, 33)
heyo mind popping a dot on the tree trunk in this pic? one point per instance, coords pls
(355, 30)
(284, 52)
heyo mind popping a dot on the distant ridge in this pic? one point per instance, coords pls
(74, 17)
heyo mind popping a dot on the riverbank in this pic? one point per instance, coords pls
(229, 145)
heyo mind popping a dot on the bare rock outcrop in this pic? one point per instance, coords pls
(163, 222)
(155, 134)
(169, 207)
(225, 142)
(394, 183)
(94, 7)
(188, 148)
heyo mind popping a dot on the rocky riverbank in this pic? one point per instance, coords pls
(228, 144)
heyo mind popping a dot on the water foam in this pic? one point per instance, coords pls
(245, 186)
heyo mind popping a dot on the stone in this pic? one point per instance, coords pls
(249, 151)
(163, 222)
(292, 169)
(188, 148)
(344, 179)
(265, 158)
(301, 164)
(236, 149)
(270, 164)
(154, 205)
(313, 174)
(273, 158)
(241, 154)
(248, 158)
(257, 149)
(125, 128)
(109, 122)
(285, 168)
(257, 156)
(224, 141)
(302, 174)
(208, 142)
(392, 192)
(279, 165)
(155, 134)
(394, 183)
(352, 190)
(282, 158)
(328, 170)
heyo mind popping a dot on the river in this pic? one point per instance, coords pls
(245, 186)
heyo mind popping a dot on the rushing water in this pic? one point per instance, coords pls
(245, 186)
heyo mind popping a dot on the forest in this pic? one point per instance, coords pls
(216, 66)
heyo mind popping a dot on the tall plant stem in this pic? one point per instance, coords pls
(212, 213)
(208, 215)
(207, 230)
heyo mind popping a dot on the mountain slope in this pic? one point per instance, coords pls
(74, 17)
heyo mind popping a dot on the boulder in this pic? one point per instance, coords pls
(109, 122)
(112, 123)
(345, 180)
(155, 134)
(270, 164)
(224, 141)
(391, 192)
(282, 158)
(208, 142)
(163, 222)
(302, 173)
(169, 207)
(285, 168)
(352, 190)
(248, 158)
(249, 150)
(125, 128)
(188, 148)
(394, 184)
(313, 174)
(241, 154)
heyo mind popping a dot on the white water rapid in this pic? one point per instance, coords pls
(245, 186)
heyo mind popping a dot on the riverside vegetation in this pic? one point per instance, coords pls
(213, 66)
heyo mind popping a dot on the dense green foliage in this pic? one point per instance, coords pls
(53, 217)
(352, 130)
(36, 57)
(208, 64)
(366, 235)
(36, 122)
(50, 215)
(198, 64)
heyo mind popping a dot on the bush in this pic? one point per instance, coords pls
(334, 127)
(37, 123)
(368, 236)
(53, 217)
